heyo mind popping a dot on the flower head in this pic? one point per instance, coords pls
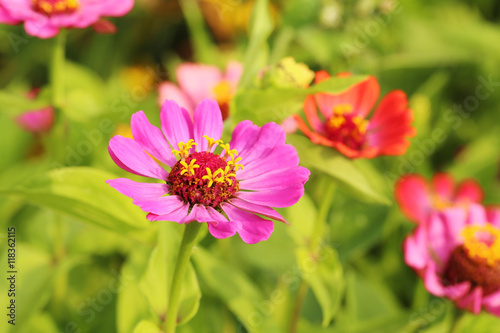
(36, 121)
(457, 254)
(210, 82)
(225, 185)
(44, 18)
(343, 123)
(419, 198)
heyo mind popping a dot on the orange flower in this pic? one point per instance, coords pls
(342, 123)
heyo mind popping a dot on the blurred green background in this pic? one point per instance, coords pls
(89, 261)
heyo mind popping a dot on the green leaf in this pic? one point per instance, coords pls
(146, 327)
(323, 273)
(274, 105)
(85, 93)
(343, 170)
(302, 217)
(81, 192)
(235, 289)
(261, 26)
(157, 279)
(483, 323)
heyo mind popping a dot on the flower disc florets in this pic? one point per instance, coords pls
(477, 260)
(346, 127)
(53, 7)
(204, 177)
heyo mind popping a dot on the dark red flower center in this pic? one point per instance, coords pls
(477, 260)
(204, 177)
(346, 127)
(54, 7)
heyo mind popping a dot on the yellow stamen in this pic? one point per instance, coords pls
(235, 165)
(228, 151)
(209, 176)
(360, 123)
(212, 142)
(337, 121)
(482, 242)
(341, 109)
(184, 148)
(189, 167)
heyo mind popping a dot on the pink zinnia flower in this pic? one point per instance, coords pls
(418, 198)
(36, 121)
(252, 173)
(342, 122)
(457, 254)
(197, 82)
(44, 18)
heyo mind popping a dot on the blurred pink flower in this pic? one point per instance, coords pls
(418, 198)
(198, 81)
(457, 254)
(227, 189)
(45, 18)
(36, 121)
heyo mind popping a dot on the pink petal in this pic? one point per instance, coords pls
(223, 230)
(160, 205)
(197, 81)
(126, 152)
(151, 139)
(469, 191)
(413, 197)
(168, 90)
(432, 281)
(178, 215)
(138, 190)
(444, 186)
(6, 18)
(254, 229)
(176, 123)
(477, 214)
(491, 303)
(441, 239)
(234, 70)
(471, 301)
(207, 121)
(256, 209)
(282, 178)
(275, 197)
(115, 7)
(200, 213)
(457, 291)
(270, 135)
(416, 254)
(244, 136)
(493, 215)
(283, 156)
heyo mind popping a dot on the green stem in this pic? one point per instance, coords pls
(316, 236)
(322, 216)
(297, 307)
(57, 84)
(174, 297)
(57, 70)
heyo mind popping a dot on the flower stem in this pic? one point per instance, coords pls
(57, 70)
(174, 297)
(57, 85)
(316, 236)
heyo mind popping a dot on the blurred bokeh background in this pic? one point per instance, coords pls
(82, 271)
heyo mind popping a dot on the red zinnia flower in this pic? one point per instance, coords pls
(343, 124)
